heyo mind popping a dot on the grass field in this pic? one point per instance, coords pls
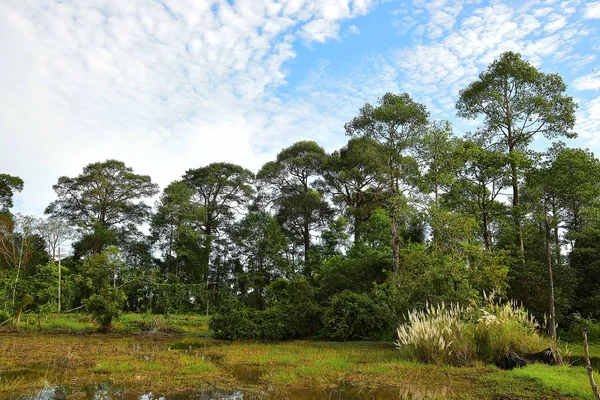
(176, 355)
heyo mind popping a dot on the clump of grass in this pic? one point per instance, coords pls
(451, 334)
(439, 334)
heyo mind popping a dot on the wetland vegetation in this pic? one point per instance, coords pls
(407, 264)
(52, 364)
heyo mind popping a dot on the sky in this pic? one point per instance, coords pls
(169, 85)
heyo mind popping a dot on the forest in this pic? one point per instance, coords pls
(408, 221)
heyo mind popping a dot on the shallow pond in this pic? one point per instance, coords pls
(108, 391)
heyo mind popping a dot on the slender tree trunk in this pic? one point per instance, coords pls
(588, 366)
(486, 233)
(516, 207)
(395, 244)
(551, 279)
(556, 237)
(306, 239)
(59, 281)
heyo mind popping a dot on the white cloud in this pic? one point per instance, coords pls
(440, 68)
(353, 29)
(162, 85)
(588, 123)
(592, 11)
(588, 82)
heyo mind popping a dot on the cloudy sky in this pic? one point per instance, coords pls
(167, 85)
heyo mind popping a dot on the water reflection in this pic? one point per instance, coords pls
(108, 391)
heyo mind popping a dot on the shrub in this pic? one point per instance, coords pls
(105, 306)
(352, 316)
(460, 335)
(279, 322)
(233, 321)
(4, 315)
(506, 327)
(575, 331)
(437, 335)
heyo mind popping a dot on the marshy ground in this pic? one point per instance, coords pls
(177, 359)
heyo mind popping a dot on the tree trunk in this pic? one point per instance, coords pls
(486, 233)
(306, 239)
(549, 266)
(556, 237)
(395, 244)
(59, 281)
(516, 207)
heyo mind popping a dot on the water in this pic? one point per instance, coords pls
(108, 391)
(249, 378)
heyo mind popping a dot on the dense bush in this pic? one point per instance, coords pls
(4, 315)
(352, 316)
(460, 335)
(105, 306)
(283, 321)
(576, 328)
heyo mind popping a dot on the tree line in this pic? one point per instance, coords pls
(405, 214)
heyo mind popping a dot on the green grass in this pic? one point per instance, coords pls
(176, 362)
(571, 381)
(109, 367)
(129, 323)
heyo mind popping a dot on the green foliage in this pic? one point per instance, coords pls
(180, 298)
(352, 316)
(4, 315)
(105, 306)
(8, 185)
(451, 334)
(288, 183)
(578, 324)
(290, 313)
(105, 301)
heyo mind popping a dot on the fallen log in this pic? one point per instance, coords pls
(513, 360)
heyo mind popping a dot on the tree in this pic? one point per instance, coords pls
(438, 155)
(479, 182)
(353, 175)
(55, 233)
(177, 228)
(8, 185)
(101, 199)
(17, 244)
(100, 273)
(221, 190)
(396, 124)
(260, 246)
(300, 206)
(517, 102)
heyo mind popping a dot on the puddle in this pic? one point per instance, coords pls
(247, 374)
(108, 391)
(195, 344)
(348, 392)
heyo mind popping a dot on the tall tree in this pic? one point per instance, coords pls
(55, 233)
(176, 228)
(222, 190)
(517, 102)
(8, 186)
(438, 155)
(260, 246)
(396, 124)
(290, 181)
(479, 182)
(102, 198)
(353, 175)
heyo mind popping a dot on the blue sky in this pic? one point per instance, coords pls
(175, 84)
